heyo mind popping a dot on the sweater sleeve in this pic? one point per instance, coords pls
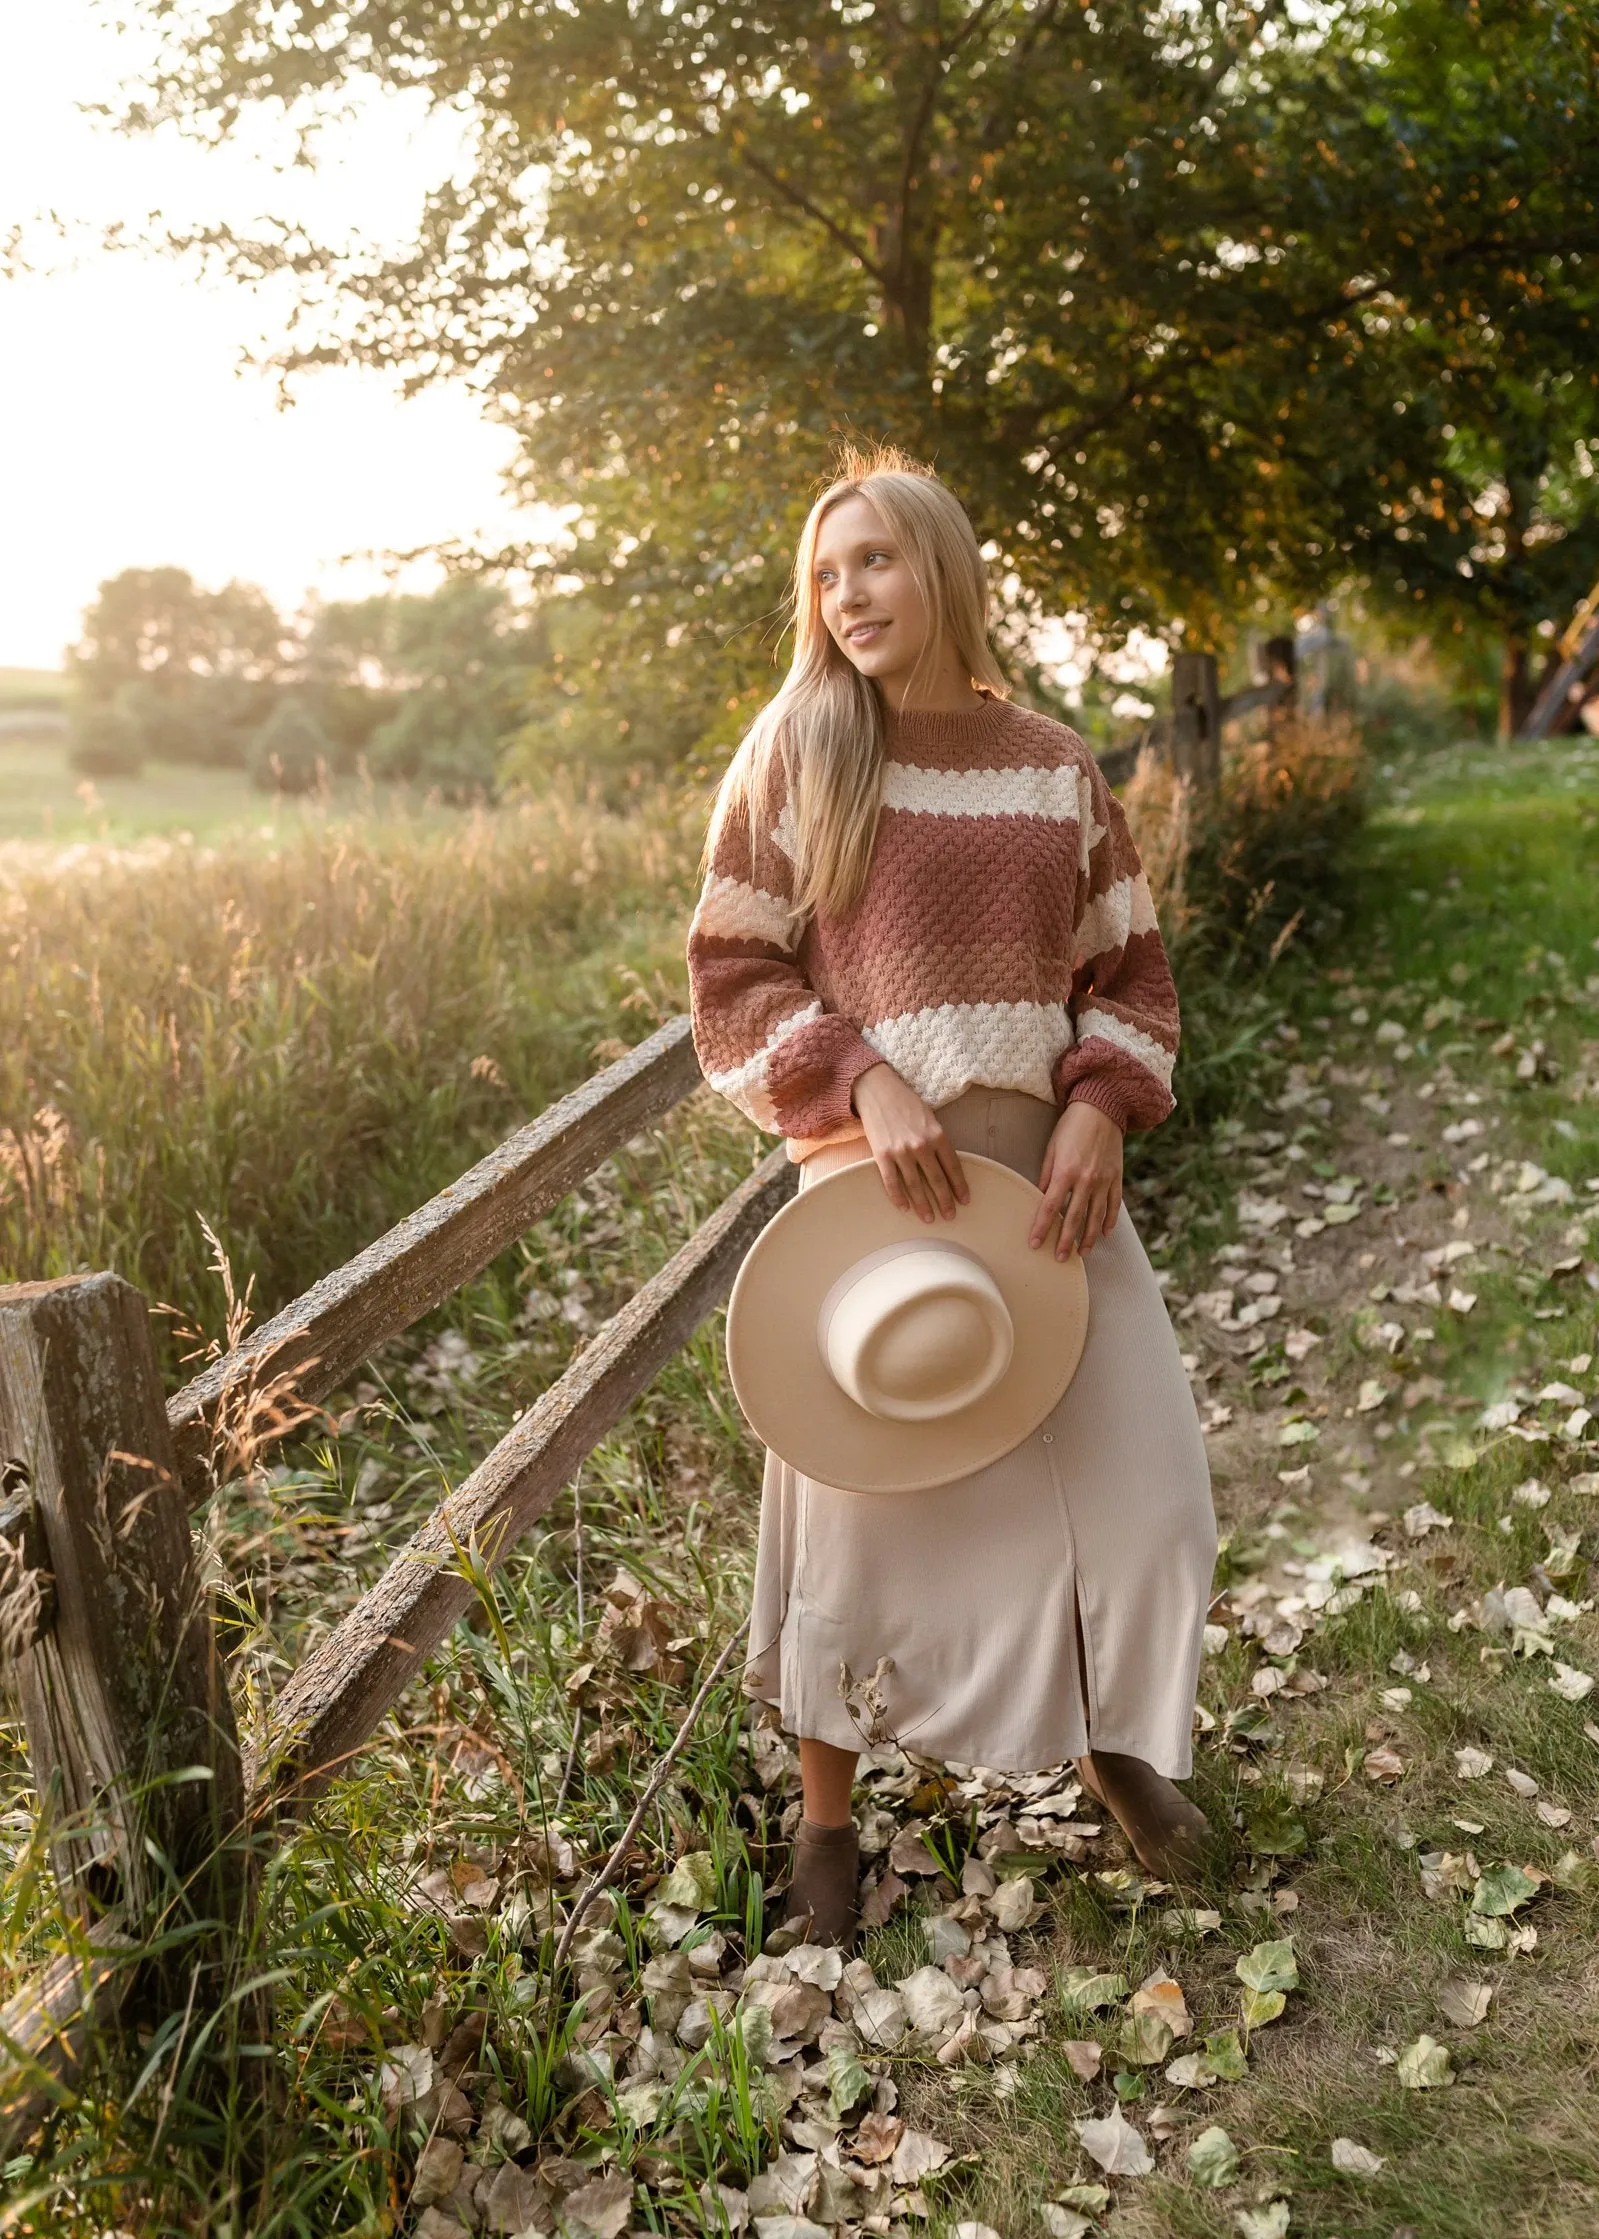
(764, 1039)
(1124, 1000)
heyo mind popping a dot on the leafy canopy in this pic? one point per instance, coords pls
(1197, 306)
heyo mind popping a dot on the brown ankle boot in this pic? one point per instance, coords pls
(824, 1891)
(1168, 1832)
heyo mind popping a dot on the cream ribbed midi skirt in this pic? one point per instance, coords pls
(974, 1590)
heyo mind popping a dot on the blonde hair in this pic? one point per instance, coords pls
(824, 728)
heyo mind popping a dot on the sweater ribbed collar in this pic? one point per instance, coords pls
(943, 731)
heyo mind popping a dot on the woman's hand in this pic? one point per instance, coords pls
(1082, 1173)
(920, 1166)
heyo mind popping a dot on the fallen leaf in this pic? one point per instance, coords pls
(1425, 2065)
(1465, 2003)
(1523, 1783)
(1084, 2056)
(1352, 2160)
(1424, 1518)
(1063, 2223)
(876, 2138)
(916, 2156)
(879, 1904)
(601, 2210)
(932, 2002)
(975, 2231)
(1145, 2040)
(691, 1882)
(1270, 2222)
(1269, 1966)
(847, 2081)
(1225, 2051)
(1013, 1904)
(1213, 2158)
(1472, 1764)
(1194, 2071)
(1502, 1889)
(1112, 2141)
(1160, 1994)
(1275, 1830)
(1571, 1685)
(1090, 1988)
(1384, 1766)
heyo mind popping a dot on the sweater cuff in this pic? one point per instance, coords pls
(1106, 1096)
(813, 1075)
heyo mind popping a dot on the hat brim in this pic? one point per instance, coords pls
(790, 1395)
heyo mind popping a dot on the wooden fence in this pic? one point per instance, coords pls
(105, 1622)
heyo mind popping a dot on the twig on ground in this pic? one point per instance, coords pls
(652, 1788)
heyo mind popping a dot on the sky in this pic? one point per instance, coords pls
(131, 433)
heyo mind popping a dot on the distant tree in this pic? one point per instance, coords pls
(1169, 293)
(446, 676)
(196, 670)
(104, 741)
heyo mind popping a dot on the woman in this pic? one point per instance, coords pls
(925, 931)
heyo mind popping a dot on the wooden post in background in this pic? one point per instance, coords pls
(1196, 719)
(1281, 656)
(122, 1691)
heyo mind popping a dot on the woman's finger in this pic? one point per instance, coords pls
(1058, 1201)
(1093, 1219)
(1074, 1220)
(950, 1160)
(935, 1181)
(916, 1191)
(1052, 1189)
(892, 1183)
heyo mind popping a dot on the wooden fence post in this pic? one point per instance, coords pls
(131, 1736)
(1281, 656)
(1196, 719)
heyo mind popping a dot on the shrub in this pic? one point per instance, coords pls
(105, 742)
(290, 753)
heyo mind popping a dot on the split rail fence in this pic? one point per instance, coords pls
(105, 1623)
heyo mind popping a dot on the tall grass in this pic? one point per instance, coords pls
(287, 1044)
(296, 1045)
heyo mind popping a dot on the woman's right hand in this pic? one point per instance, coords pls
(920, 1166)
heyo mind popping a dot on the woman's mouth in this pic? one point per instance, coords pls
(864, 633)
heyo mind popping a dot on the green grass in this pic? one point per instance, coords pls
(335, 995)
(295, 1044)
(46, 805)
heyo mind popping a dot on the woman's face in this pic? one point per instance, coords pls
(868, 597)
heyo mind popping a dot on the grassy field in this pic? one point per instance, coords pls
(45, 805)
(1383, 2014)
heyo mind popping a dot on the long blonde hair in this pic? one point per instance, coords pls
(825, 727)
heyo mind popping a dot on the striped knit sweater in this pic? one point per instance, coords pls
(1005, 939)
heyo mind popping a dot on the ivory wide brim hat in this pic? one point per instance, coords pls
(873, 1351)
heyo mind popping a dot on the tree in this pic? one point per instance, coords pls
(446, 675)
(193, 670)
(1156, 287)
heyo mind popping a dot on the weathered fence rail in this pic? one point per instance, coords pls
(105, 1625)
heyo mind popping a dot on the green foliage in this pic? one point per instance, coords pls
(300, 1046)
(446, 678)
(1196, 309)
(105, 742)
(157, 625)
(291, 752)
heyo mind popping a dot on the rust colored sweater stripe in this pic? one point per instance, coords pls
(1005, 939)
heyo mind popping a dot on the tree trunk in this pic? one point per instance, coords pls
(1516, 691)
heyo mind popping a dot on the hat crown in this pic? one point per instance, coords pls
(916, 1332)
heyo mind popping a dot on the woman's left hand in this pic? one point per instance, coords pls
(1081, 1180)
